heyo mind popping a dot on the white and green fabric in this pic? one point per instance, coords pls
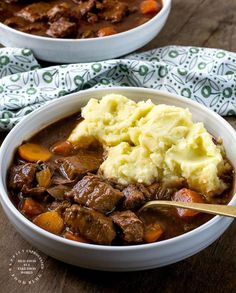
(205, 75)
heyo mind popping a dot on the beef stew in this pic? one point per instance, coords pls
(65, 194)
(77, 18)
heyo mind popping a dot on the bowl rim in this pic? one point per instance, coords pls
(6, 202)
(165, 6)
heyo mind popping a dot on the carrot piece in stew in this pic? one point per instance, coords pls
(50, 221)
(149, 6)
(34, 152)
(72, 236)
(63, 148)
(152, 233)
(31, 207)
(187, 195)
(106, 31)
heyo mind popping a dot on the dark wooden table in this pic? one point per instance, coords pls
(191, 22)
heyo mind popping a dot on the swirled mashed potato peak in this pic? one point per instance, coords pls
(147, 142)
(108, 120)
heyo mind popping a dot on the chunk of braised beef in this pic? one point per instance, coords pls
(130, 224)
(62, 28)
(113, 182)
(21, 175)
(35, 192)
(34, 12)
(13, 1)
(34, 28)
(85, 161)
(164, 193)
(85, 7)
(59, 180)
(93, 192)
(16, 22)
(149, 190)
(69, 167)
(134, 198)
(58, 191)
(90, 224)
(113, 11)
(59, 10)
(59, 206)
(137, 194)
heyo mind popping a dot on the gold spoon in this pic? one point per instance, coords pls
(215, 209)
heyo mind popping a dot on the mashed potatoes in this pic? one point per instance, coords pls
(147, 142)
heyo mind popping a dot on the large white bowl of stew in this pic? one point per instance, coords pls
(50, 126)
(88, 31)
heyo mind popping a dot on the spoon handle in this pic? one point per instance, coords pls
(215, 209)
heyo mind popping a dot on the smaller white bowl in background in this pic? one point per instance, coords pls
(86, 50)
(113, 258)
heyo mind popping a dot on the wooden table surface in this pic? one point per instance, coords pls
(191, 22)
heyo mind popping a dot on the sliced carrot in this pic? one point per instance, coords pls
(106, 31)
(31, 207)
(44, 177)
(50, 221)
(33, 152)
(63, 148)
(187, 195)
(152, 233)
(72, 236)
(149, 6)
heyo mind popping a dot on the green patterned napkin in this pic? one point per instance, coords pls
(207, 76)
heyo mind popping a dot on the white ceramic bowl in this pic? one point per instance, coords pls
(86, 50)
(128, 258)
